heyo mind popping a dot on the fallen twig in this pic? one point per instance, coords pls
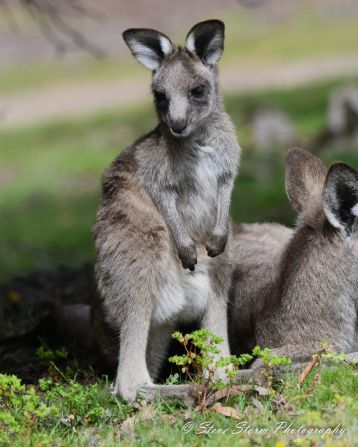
(315, 360)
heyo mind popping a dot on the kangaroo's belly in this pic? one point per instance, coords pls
(201, 218)
(199, 209)
(184, 295)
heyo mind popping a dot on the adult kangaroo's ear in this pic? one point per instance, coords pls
(305, 176)
(340, 197)
(206, 40)
(148, 46)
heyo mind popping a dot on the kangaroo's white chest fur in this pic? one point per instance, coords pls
(184, 295)
(200, 211)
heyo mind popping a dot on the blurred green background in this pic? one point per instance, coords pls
(65, 115)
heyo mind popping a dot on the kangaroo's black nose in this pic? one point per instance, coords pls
(178, 126)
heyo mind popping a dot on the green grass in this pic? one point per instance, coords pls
(36, 75)
(68, 413)
(50, 176)
(306, 34)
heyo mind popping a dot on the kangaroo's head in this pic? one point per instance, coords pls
(326, 199)
(184, 79)
(322, 259)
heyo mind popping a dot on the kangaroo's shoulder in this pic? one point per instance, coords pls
(127, 161)
(123, 171)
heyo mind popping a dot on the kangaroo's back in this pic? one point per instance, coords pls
(258, 252)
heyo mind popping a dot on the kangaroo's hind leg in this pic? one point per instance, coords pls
(132, 372)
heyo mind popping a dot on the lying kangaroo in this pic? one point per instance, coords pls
(293, 290)
(165, 212)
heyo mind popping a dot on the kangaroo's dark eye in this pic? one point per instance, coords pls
(198, 92)
(160, 97)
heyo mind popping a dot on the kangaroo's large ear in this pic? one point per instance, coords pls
(206, 40)
(148, 46)
(305, 176)
(340, 197)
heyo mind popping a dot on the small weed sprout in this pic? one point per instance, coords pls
(339, 358)
(270, 361)
(173, 379)
(327, 353)
(50, 354)
(50, 357)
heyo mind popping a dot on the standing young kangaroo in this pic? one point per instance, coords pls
(294, 289)
(162, 231)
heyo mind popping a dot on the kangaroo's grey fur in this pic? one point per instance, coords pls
(294, 289)
(164, 209)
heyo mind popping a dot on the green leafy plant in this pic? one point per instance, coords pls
(21, 408)
(52, 358)
(173, 379)
(60, 406)
(50, 354)
(201, 363)
(269, 361)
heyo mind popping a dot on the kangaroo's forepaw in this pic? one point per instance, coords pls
(216, 245)
(188, 256)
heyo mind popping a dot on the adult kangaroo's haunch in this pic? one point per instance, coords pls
(294, 289)
(162, 232)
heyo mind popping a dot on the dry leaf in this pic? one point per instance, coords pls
(317, 379)
(248, 388)
(281, 404)
(226, 411)
(244, 388)
(218, 395)
(127, 427)
(262, 391)
(146, 412)
(169, 419)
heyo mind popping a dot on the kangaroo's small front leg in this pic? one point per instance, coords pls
(186, 248)
(217, 242)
